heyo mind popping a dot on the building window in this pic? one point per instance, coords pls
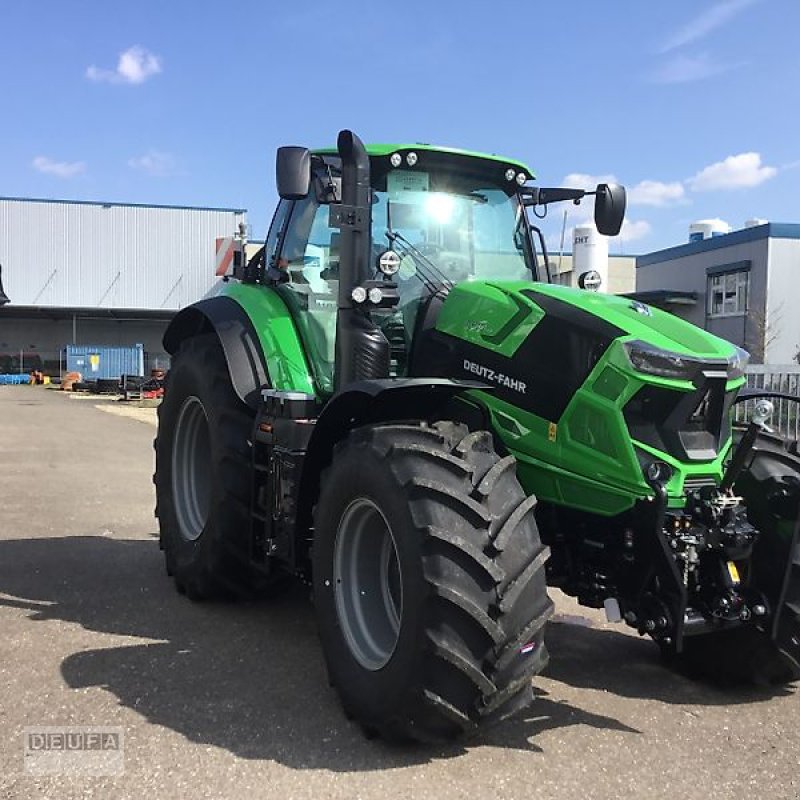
(727, 294)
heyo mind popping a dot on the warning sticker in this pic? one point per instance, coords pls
(399, 181)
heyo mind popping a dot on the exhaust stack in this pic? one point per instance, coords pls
(362, 351)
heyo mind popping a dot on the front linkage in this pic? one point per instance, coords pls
(726, 564)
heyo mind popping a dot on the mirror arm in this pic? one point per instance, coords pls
(536, 196)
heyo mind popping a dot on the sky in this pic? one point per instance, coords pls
(692, 105)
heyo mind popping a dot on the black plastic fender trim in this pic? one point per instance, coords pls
(243, 354)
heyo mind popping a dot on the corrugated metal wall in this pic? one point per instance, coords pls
(91, 255)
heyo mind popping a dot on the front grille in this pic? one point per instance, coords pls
(690, 426)
(698, 482)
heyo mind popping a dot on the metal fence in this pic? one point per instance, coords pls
(776, 378)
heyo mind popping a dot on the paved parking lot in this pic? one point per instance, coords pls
(231, 700)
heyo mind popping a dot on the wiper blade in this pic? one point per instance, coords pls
(421, 259)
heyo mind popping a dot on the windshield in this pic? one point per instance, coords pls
(450, 229)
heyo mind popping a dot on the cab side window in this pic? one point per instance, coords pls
(308, 259)
(276, 230)
(310, 249)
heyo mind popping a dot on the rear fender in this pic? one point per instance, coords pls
(261, 343)
(246, 363)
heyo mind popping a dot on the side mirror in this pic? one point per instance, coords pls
(609, 208)
(293, 172)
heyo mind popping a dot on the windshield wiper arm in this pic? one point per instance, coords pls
(420, 257)
(422, 261)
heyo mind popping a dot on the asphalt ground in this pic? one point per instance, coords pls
(226, 700)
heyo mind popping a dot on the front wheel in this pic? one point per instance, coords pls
(429, 581)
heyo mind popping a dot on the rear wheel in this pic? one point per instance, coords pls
(429, 581)
(203, 476)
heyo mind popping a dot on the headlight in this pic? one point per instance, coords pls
(737, 364)
(654, 361)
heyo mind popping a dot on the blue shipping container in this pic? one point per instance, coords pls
(105, 362)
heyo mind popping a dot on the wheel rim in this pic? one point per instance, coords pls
(367, 584)
(191, 469)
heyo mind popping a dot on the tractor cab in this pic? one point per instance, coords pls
(437, 218)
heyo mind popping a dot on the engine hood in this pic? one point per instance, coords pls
(652, 325)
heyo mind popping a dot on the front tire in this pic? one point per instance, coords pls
(203, 476)
(429, 581)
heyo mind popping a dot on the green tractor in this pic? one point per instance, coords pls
(393, 402)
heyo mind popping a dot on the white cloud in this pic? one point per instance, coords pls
(154, 163)
(655, 193)
(687, 69)
(735, 172)
(634, 229)
(582, 180)
(135, 65)
(704, 23)
(63, 169)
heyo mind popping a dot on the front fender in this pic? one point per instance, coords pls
(368, 402)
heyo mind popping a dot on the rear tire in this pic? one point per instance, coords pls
(429, 581)
(203, 476)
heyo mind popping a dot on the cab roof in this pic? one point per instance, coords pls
(382, 150)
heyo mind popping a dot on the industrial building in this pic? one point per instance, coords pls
(101, 274)
(741, 285)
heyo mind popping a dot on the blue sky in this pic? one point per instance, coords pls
(693, 105)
